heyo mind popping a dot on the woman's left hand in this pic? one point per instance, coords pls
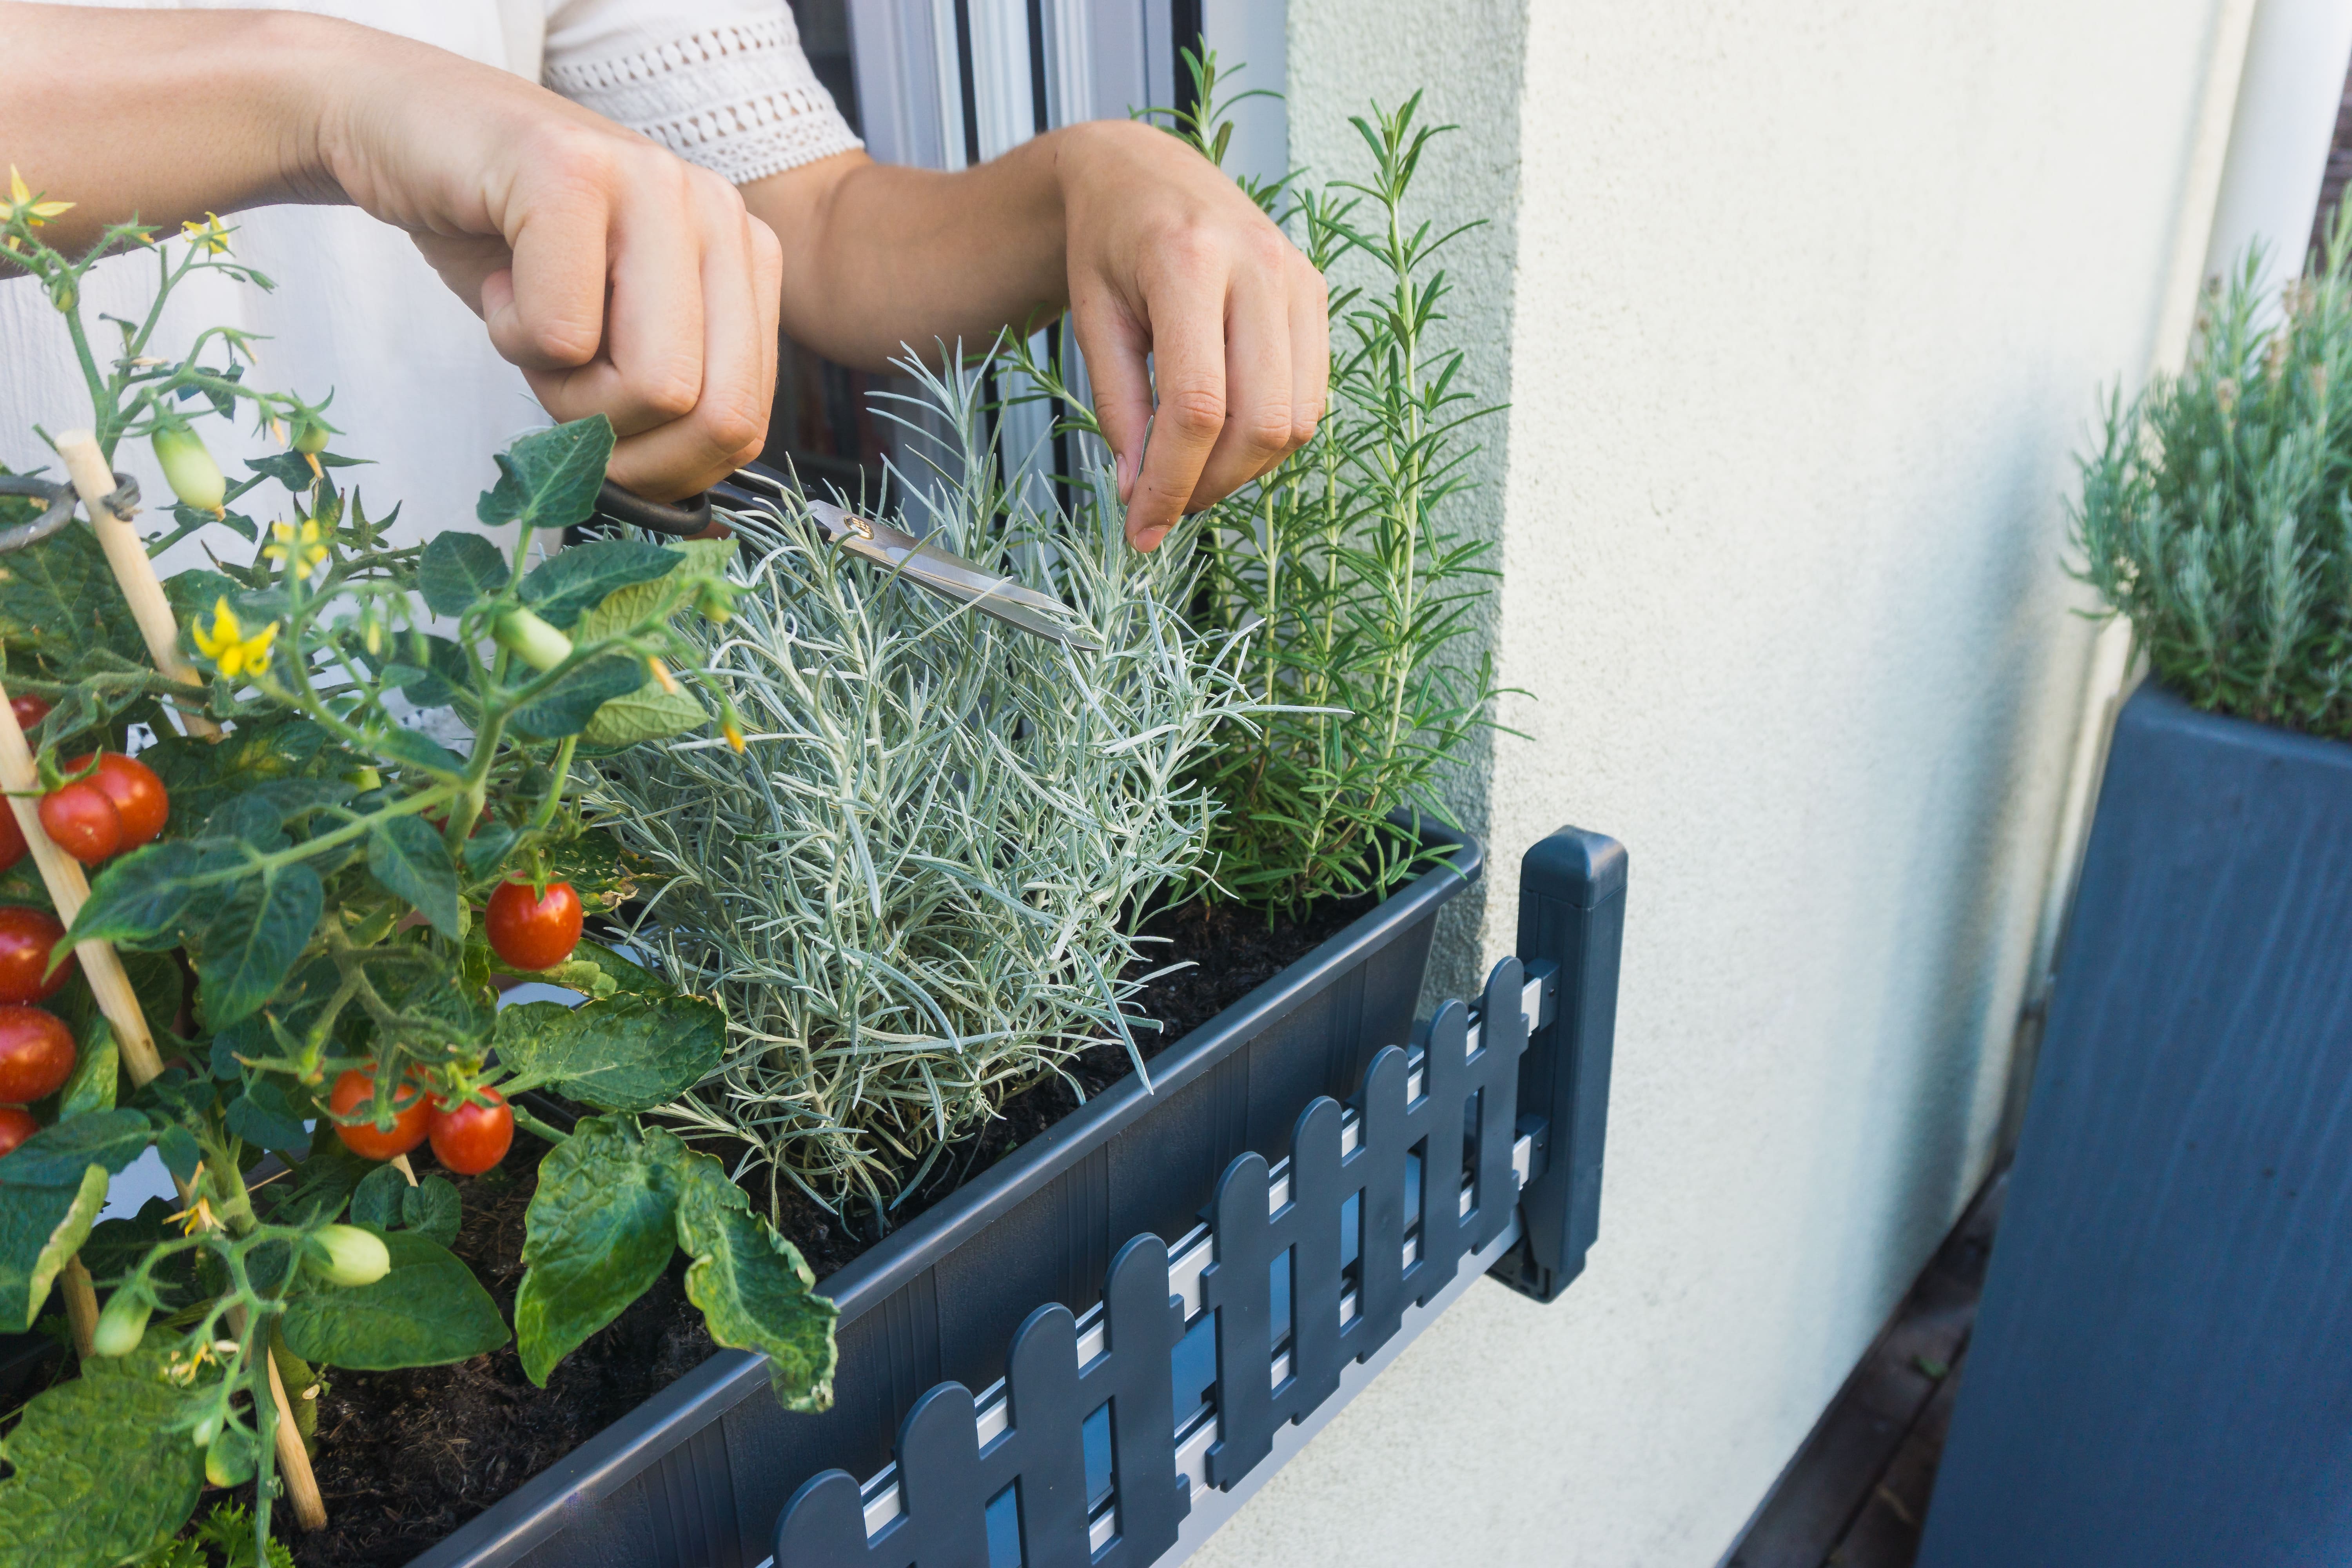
(1156, 253)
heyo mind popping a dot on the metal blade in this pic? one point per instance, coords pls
(951, 575)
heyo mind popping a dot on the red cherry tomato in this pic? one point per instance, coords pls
(410, 1115)
(470, 1139)
(139, 796)
(36, 1054)
(29, 710)
(27, 936)
(534, 932)
(82, 822)
(16, 1124)
(11, 837)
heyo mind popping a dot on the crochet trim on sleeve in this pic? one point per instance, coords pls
(738, 98)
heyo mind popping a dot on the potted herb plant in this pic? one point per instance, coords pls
(2153, 1378)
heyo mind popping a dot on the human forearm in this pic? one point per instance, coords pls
(163, 115)
(880, 260)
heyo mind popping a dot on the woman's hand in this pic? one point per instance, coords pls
(1152, 249)
(619, 278)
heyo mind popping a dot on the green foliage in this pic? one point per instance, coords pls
(612, 1203)
(630, 1054)
(910, 892)
(1356, 595)
(2217, 512)
(104, 1469)
(222, 1539)
(428, 1310)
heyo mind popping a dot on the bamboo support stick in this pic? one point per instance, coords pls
(81, 1307)
(69, 889)
(127, 553)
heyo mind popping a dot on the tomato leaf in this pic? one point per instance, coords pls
(413, 748)
(564, 587)
(628, 1054)
(180, 1151)
(408, 860)
(487, 848)
(289, 469)
(40, 1228)
(332, 1173)
(598, 1232)
(251, 945)
(567, 705)
(376, 1200)
(427, 1312)
(648, 714)
(98, 1066)
(104, 1469)
(458, 570)
(549, 479)
(755, 1290)
(60, 598)
(140, 900)
(262, 1115)
(250, 818)
(431, 1208)
(56, 1155)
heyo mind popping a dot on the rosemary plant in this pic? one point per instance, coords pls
(911, 890)
(1340, 566)
(2216, 512)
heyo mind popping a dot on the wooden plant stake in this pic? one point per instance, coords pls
(68, 888)
(127, 553)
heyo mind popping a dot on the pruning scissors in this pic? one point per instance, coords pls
(918, 561)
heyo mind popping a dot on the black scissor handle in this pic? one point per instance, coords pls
(680, 520)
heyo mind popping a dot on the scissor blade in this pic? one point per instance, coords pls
(951, 575)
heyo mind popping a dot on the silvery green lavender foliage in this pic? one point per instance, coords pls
(912, 891)
(2216, 515)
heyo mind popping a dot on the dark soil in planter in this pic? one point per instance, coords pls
(406, 1457)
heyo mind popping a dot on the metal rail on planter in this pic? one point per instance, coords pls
(1109, 1428)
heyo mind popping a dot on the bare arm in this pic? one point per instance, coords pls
(530, 209)
(1152, 249)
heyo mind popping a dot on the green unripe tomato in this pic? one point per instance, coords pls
(208, 1428)
(716, 605)
(363, 779)
(189, 470)
(351, 1256)
(123, 1324)
(531, 639)
(310, 437)
(229, 1459)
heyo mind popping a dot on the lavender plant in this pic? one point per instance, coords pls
(912, 891)
(2216, 513)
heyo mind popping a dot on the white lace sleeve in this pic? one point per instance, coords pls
(721, 83)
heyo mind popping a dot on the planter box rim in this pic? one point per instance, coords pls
(2158, 706)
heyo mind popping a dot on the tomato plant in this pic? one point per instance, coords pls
(532, 930)
(292, 881)
(28, 938)
(471, 1136)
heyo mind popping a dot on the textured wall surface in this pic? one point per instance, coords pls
(1800, 309)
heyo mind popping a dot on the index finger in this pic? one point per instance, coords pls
(1188, 351)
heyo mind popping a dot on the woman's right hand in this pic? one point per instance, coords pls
(619, 278)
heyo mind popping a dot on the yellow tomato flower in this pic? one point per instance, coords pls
(207, 235)
(300, 548)
(20, 203)
(228, 645)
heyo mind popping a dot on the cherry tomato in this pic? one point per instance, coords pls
(11, 837)
(28, 937)
(16, 1124)
(36, 1053)
(534, 932)
(82, 822)
(139, 796)
(410, 1115)
(470, 1139)
(29, 710)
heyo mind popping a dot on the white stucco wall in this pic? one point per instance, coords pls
(1800, 308)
